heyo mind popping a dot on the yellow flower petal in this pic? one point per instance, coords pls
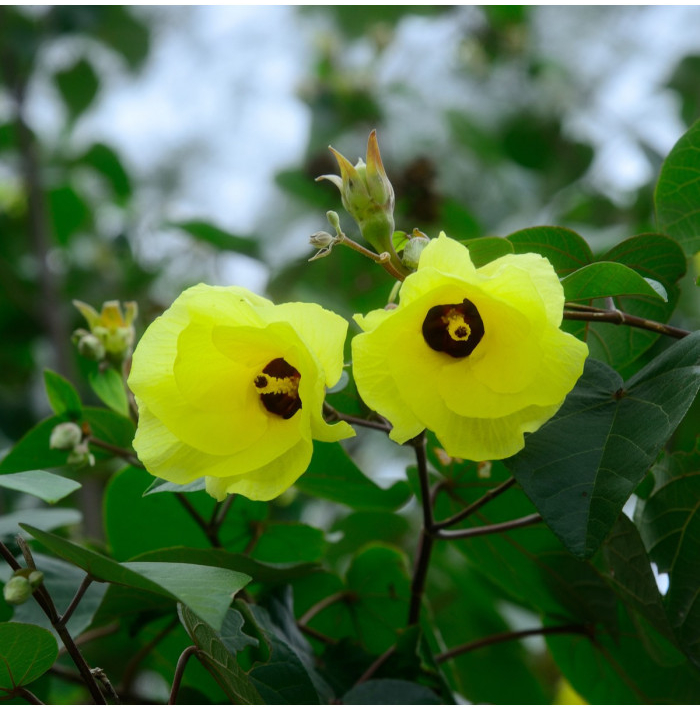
(482, 399)
(229, 385)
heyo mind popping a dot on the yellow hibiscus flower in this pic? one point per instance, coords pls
(475, 355)
(230, 387)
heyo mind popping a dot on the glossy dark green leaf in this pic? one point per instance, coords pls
(207, 590)
(46, 486)
(203, 231)
(32, 451)
(670, 526)
(154, 521)
(259, 571)
(78, 86)
(619, 669)
(361, 528)
(218, 658)
(279, 674)
(565, 249)
(678, 191)
(378, 579)
(487, 249)
(289, 542)
(380, 692)
(109, 387)
(628, 571)
(110, 426)
(63, 397)
(606, 278)
(654, 257)
(26, 652)
(580, 468)
(332, 475)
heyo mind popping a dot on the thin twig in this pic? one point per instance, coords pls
(324, 603)
(76, 599)
(26, 694)
(95, 634)
(211, 535)
(218, 515)
(384, 260)
(180, 671)
(573, 628)
(425, 545)
(468, 511)
(369, 672)
(120, 452)
(489, 528)
(312, 633)
(618, 317)
(334, 415)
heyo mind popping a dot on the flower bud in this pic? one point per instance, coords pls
(368, 197)
(81, 456)
(17, 590)
(413, 249)
(111, 328)
(66, 436)
(35, 578)
(321, 239)
(89, 345)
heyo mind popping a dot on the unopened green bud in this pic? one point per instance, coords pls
(35, 578)
(368, 197)
(65, 436)
(17, 590)
(81, 456)
(413, 249)
(321, 239)
(334, 220)
(91, 347)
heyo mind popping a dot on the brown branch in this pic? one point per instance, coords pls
(75, 600)
(468, 511)
(312, 633)
(618, 317)
(180, 671)
(324, 603)
(26, 694)
(334, 415)
(573, 628)
(120, 452)
(133, 664)
(489, 528)
(369, 672)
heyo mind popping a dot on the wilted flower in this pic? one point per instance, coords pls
(475, 355)
(230, 387)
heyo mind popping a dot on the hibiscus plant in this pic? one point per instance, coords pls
(528, 390)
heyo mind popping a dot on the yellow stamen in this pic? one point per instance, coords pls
(267, 384)
(457, 327)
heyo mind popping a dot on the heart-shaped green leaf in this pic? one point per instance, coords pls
(26, 652)
(580, 468)
(607, 278)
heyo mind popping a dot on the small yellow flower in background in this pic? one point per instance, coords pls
(111, 331)
(475, 355)
(230, 387)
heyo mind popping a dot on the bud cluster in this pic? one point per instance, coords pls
(110, 334)
(21, 586)
(68, 436)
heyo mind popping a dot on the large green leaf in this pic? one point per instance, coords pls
(565, 249)
(207, 590)
(333, 475)
(380, 587)
(580, 468)
(39, 517)
(32, 451)
(669, 523)
(487, 248)
(26, 652)
(677, 194)
(63, 397)
(109, 387)
(656, 258)
(46, 486)
(607, 278)
(380, 692)
(620, 669)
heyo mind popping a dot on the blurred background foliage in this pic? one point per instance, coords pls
(490, 120)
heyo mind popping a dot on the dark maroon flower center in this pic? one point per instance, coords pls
(455, 328)
(278, 385)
